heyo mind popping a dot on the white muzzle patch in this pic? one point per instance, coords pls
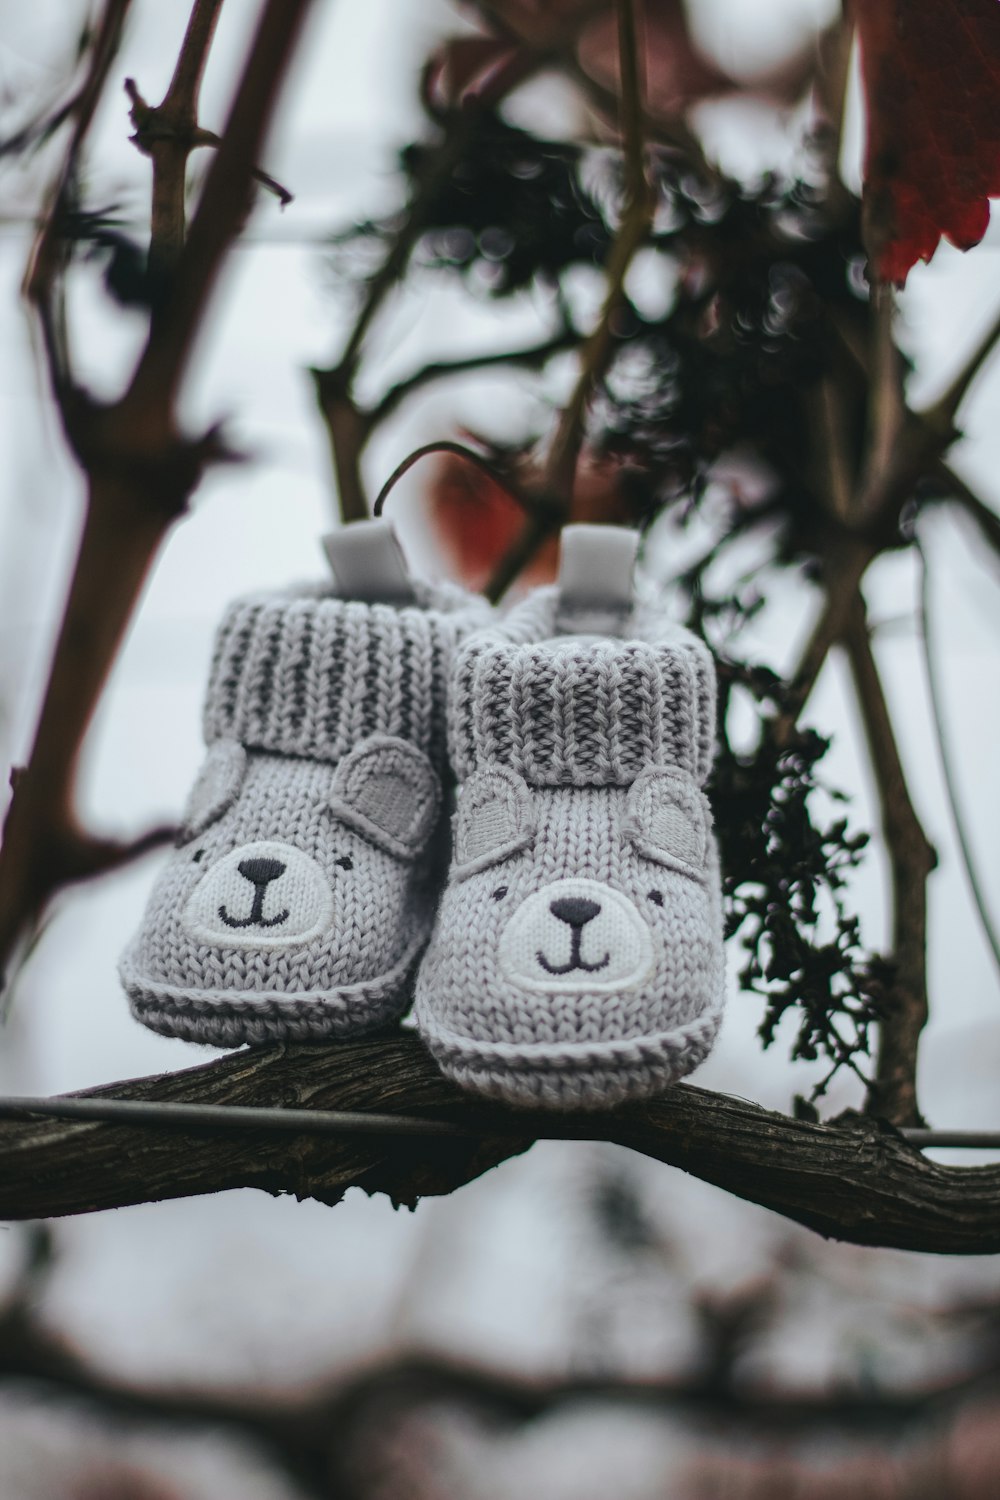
(576, 935)
(261, 895)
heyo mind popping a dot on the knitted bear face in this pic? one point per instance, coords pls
(282, 870)
(577, 918)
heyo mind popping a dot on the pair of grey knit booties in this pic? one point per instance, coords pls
(571, 955)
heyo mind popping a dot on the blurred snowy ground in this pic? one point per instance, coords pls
(514, 1272)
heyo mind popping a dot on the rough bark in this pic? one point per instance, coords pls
(856, 1179)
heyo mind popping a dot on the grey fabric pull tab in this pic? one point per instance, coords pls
(368, 563)
(596, 564)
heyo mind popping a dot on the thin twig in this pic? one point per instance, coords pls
(911, 859)
(961, 492)
(348, 427)
(166, 134)
(886, 406)
(140, 473)
(459, 450)
(559, 474)
(844, 571)
(209, 138)
(225, 199)
(833, 68)
(936, 697)
(534, 356)
(540, 525)
(940, 416)
(595, 356)
(42, 281)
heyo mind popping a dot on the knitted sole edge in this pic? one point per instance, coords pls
(568, 1075)
(228, 1018)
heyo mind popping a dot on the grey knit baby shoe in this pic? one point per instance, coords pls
(302, 889)
(577, 957)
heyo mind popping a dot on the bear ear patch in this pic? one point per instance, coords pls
(668, 819)
(387, 791)
(215, 790)
(495, 819)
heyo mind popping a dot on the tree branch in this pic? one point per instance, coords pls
(42, 282)
(598, 348)
(893, 1094)
(140, 473)
(886, 406)
(986, 520)
(167, 134)
(459, 450)
(559, 474)
(845, 567)
(222, 208)
(348, 427)
(940, 417)
(977, 885)
(533, 357)
(856, 1179)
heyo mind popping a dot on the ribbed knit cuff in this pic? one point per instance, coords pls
(312, 675)
(581, 712)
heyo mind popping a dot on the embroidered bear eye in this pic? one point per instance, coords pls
(197, 855)
(499, 893)
(345, 862)
(656, 897)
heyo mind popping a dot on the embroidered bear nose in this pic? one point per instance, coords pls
(261, 871)
(575, 910)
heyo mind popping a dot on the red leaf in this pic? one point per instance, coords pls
(476, 520)
(931, 72)
(677, 75)
(471, 68)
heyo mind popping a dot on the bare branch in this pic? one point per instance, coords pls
(934, 693)
(886, 406)
(987, 521)
(893, 1094)
(533, 357)
(458, 450)
(166, 133)
(348, 428)
(845, 569)
(598, 348)
(543, 522)
(42, 281)
(556, 486)
(940, 417)
(856, 1179)
(222, 209)
(140, 473)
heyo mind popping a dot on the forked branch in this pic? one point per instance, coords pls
(139, 470)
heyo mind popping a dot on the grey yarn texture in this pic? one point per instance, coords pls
(303, 887)
(577, 957)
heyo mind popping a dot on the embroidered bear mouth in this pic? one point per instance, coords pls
(576, 934)
(261, 895)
